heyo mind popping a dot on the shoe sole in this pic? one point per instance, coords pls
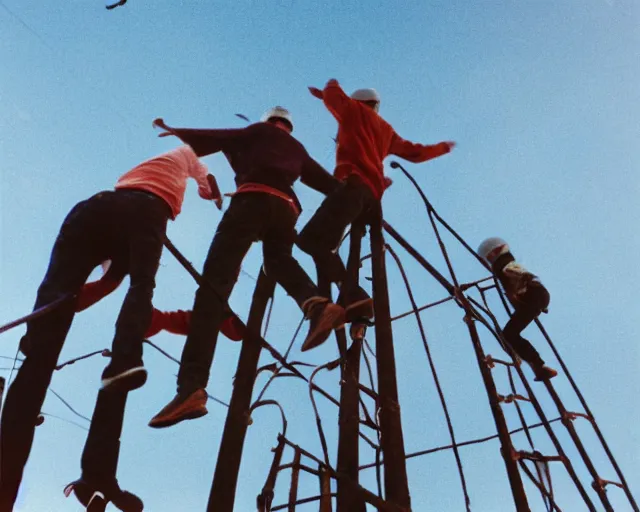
(334, 320)
(88, 494)
(97, 503)
(126, 381)
(177, 419)
(81, 491)
(545, 379)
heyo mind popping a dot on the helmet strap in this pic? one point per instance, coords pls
(502, 261)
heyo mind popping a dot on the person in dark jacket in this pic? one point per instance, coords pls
(364, 140)
(267, 161)
(528, 297)
(127, 224)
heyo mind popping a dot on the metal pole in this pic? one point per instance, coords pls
(325, 490)
(265, 498)
(566, 420)
(293, 490)
(349, 418)
(508, 453)
(225, 478)
(392, 442)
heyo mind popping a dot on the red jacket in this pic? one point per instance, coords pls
(365, 140)
(176, 322)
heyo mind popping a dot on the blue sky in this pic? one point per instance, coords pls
(542, 98)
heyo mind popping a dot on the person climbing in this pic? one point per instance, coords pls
(98, 484)
(364, 140)
(528, 297)
(267, 161)
(127, 224)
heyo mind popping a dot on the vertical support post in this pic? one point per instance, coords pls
(225, 478)
(506, 448)
(325, 489)
(392, 442)
(349, 415)
(265, 498)
(293, 490)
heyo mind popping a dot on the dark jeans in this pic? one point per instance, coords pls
(535, 299)
(322, 234)
(126, 224)
(102, 448)
(251, 216)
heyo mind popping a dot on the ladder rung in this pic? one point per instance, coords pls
(538, 457)
(512, 398)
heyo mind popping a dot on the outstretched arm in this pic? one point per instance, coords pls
(178, 322)
(316, 177)
(207, 184)
(334, 98)
(206, 142)
(96, 290)
(417, 153)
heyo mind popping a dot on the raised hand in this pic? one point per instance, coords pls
(316, 92)
(215, 191)
(159, 123)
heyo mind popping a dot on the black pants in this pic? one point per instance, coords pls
(322, 234)
(251, 216)
(531, 304)
(127, 224)
(102, 448)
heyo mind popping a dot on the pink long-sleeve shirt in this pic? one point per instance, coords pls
(166, 176)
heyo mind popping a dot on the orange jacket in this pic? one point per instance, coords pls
(365, 140)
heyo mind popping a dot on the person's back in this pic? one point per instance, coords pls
(261, 155)
(364, 140)
(166, 176)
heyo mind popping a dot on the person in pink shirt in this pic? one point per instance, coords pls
(126, 225)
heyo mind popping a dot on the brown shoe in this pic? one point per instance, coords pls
(544, 373)
(185, 406)
(324, 317)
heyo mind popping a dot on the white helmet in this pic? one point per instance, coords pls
(367, 95)
(279, 113)
(493, 247)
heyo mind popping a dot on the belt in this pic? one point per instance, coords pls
(265, 189)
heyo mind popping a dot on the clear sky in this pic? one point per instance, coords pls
(543, 100)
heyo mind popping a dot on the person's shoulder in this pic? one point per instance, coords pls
(515, 267)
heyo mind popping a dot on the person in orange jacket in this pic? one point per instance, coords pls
(101, 451)
(364, 140)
